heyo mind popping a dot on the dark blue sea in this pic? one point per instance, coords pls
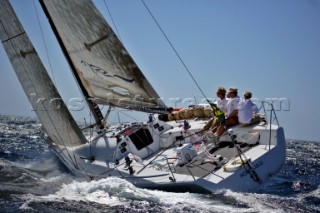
(33, 180)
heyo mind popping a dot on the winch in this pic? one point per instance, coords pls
(185, 153)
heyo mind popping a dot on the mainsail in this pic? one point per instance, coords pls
(102, 65)
(41, 92)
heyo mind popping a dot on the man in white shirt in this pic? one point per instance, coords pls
(231, 112)
(247, 110)
(221, 103)
(232, 104)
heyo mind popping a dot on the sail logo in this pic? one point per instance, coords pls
(103, 73)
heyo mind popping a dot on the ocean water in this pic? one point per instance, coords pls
(33, 180)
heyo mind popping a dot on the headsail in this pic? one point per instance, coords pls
(41, 92)
(102, 65)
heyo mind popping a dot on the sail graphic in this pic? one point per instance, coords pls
(41, 92)
(103, 66)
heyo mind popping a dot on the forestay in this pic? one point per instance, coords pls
(101, 63)
(41, 92)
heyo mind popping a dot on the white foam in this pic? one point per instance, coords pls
(256, 202)
(41, 177)
(48, 164)
(111, 191)
(25, 206)
(314, 193)
(114, 191)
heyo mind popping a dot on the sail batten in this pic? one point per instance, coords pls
(36, 83)
(102, 65)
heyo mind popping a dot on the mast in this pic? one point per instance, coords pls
(94, 108)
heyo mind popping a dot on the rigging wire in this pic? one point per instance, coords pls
(174, 49)
(125, 115)
(44, 42)
(118, 117)
(113, 22)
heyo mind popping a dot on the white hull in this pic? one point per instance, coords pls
(149, 166)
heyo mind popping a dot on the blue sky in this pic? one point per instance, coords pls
(271, 47)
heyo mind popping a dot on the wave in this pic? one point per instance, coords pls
(39, 178)
(118, 194)
(114, 193)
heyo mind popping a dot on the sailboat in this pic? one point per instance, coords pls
(169, 151)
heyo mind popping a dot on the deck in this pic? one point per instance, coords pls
(200, 169)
